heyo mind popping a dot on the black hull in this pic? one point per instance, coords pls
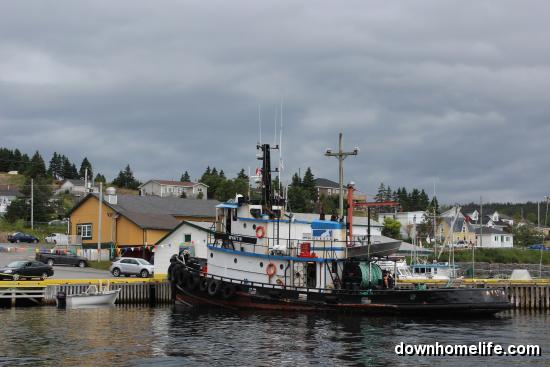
(447, 302)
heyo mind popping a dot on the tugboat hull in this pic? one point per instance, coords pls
(448, 302)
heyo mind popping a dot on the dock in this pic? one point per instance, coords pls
(524, 294)
(133, 290)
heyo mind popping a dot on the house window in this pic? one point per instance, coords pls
(496, 238)
(186, 238)
(84, 230)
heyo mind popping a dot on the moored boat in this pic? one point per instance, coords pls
(91, 297)
(260, 257)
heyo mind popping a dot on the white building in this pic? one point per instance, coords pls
(7, 195)
(165, 188)
(407, 220)
(191, 236)
(76, 187)
(493, 238)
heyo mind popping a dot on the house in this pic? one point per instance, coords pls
(453, 230)
(76, 187)
(8, 193)
(188, 235)
(134, 221)
(407, 220)
(493, 238)
(165, 188)
(326, 187)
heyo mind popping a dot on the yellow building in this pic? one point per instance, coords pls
(134, 221)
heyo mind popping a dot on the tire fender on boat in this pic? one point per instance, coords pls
(214, 287)
(228, 291)
(192, 282)
(203, 285)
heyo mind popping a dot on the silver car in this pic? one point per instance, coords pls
(132, 266)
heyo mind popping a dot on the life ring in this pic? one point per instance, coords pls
(270, 269)
(260, 232)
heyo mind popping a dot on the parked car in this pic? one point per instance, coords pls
(26, 269)
(61, 258)
(22, 237)
(538, 246)
(132, 266)
(57, 238)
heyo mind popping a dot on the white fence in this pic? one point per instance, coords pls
(91, 254)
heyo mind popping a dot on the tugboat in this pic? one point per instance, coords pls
(261, 257)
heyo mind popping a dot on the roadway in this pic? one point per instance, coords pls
(26, 252)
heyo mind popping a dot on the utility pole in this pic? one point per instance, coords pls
(32, 203)
(341, 155)
(99, 222)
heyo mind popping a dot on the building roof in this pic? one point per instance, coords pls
(323, 182)
(202, 226)
(175, 183)
(153, 212)
(12, 191)
(490, 230)
(74, 182)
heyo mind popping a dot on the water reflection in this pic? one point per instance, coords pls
(171, 336)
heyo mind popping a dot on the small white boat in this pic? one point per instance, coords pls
(91, 297)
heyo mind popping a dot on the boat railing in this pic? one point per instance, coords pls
(307, 247)
(299, 289)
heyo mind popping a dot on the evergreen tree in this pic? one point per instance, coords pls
(413, 200)
(6, 160)
(296, 180)
(242, 175)
(222, 174)
(308, 181)
(381, 194)
(18, 163)
(85, 164)
(423, 200)
(100, 178)
(126, 179)
(55, 169)
(185, 177)
(37, 167)
(20, 208)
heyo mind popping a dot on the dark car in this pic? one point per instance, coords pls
(61, 258)
(22, 237)
(25, 269)
(538, 246)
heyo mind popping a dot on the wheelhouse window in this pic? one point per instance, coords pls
(84, 230)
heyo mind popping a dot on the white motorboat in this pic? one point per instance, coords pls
(91, 297)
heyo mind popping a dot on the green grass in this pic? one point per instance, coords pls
(16, 180)
(101, 265)
(503, 256)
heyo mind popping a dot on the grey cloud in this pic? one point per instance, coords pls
(433, 91)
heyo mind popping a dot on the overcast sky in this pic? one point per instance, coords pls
(448, 92)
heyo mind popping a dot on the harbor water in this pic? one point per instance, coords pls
(174, 336)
